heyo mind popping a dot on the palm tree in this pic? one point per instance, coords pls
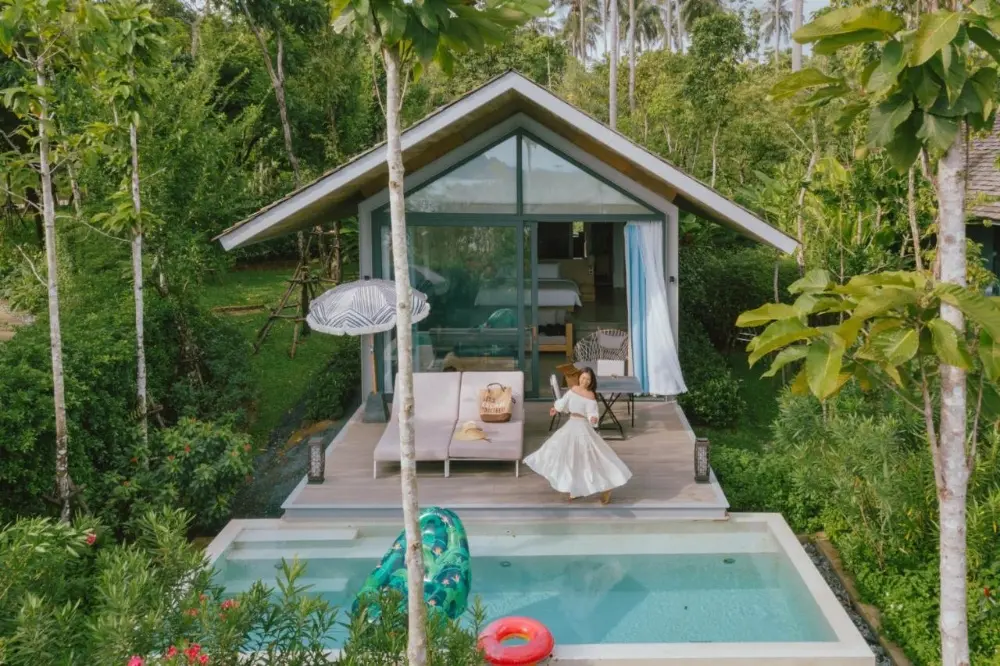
(777, 23)
(692, 10)
(577, 24)
(797, 9)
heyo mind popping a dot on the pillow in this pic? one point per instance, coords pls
(548, 271)
(610, 368)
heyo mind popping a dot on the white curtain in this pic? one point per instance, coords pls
(652, 347)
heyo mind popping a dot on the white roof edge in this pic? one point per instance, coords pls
(685, 184)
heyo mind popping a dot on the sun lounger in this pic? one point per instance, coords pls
(435, 413)
(505, 440)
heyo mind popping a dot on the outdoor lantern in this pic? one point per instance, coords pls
(701, 466)
(317, 461)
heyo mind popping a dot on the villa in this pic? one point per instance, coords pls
(538, 235)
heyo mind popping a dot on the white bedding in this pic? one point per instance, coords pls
(551, 294)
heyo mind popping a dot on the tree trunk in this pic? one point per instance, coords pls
(63, 482)
(797, 8)
(604, 23)
(416, 648)
(137, 280)
(337, 274)
(631, 57)
(668, 25)
(777, 32)
(800, 223)
(715, 154)
(74, 185)
(583, 31)
(613, 56)
(954, 476)
(911, 212)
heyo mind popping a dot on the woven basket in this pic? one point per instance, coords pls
(496, 403)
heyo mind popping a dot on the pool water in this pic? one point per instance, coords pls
(658, 598)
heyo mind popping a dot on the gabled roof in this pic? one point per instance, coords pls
(983, 176)
(337, 193)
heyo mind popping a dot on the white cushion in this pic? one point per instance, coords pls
(610, 368)
(435, 396)
(548, 271)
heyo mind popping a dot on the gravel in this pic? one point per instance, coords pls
(830, 576)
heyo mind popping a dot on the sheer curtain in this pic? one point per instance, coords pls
(654, 352)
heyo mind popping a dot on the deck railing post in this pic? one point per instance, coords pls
(702, 468)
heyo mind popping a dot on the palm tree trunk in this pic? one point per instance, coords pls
(668, 25)
(631, 57)
(604, 23)
(583, 31)
(63, 482)
(777, 32)
(953, 479)
(797, 8)
(137, 283)
(416, 648)
(613, 56)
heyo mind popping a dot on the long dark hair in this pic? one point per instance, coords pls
(593, 379)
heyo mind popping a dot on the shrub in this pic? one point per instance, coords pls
(336, 387)
(713, 395)
(71, 595)
(199, 373)
(198, 466)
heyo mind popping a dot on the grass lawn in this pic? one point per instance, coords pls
(761, 397)
(281, 381)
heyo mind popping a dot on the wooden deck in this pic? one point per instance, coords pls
(659, 450)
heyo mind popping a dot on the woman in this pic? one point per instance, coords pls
(575, 460)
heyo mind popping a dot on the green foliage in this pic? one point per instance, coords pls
(206, 378)
(336, 387)
(71, 595)
(713, 396)
(923, 83)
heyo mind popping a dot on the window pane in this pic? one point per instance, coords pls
(485, 184)
(469, 275)
(553, 185)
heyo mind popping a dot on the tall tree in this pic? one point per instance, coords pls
(777, 21)
(44, 40)
(926, 91)
(277, 17)
(136, 48)
(797, 9)
(613, 65)
(631, 57)
(411, 35)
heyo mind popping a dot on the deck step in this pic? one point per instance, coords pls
(285, 535)
(320, 585)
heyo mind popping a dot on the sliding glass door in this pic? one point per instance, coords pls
(479, 282)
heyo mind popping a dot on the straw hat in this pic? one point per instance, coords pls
(470, 431)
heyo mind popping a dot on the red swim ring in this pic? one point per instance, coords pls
(539, 642)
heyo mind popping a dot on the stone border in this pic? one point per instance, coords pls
(866, 617)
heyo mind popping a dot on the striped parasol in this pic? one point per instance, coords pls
(361, 308)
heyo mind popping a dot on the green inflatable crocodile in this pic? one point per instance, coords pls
(447, 566)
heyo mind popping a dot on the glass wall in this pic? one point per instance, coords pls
(485, 184)
(474, 280)
(555, 186)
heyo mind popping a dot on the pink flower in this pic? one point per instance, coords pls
(202, 597)
(171, 652)
(203, 659)
(230, 603)
(91, 539)
(192, 651)
(193, 612)
(187, 449)
(136, 660)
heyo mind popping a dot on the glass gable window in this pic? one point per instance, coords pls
(555, 186)
(485, 184)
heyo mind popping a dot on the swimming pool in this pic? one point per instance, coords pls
(636, 592)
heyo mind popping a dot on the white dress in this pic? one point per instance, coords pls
(575, 459)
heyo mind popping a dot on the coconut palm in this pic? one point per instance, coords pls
(591, 29)
(777, 23)
(692, 10)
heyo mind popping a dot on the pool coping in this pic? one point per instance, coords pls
(850, 648)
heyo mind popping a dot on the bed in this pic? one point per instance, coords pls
(552, 293)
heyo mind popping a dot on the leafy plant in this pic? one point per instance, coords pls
(336, 386)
